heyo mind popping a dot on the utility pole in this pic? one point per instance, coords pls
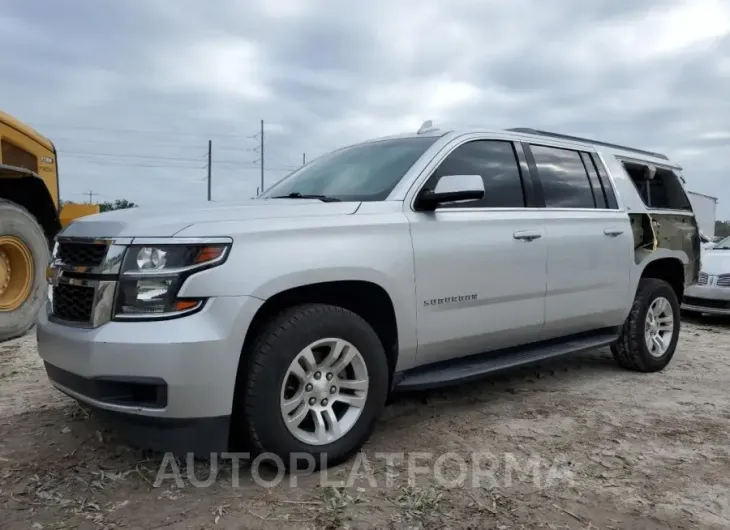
(304, 159)
(91, 196)
(210, 165)
(262, 156)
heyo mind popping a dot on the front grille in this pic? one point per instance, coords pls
(706, 302)
(81, 254)
(74, 303)
(722, 280)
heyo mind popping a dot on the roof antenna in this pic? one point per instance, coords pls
(426, 127)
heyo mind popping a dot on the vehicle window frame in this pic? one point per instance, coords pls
(609, 188)
(622, 160)
(524, 173)
(597, 188)
(527, 145)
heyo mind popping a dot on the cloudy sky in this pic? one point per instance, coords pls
(131, 90)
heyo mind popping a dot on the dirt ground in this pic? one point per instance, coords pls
(576, 444)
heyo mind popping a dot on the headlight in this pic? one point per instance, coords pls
(151, 277)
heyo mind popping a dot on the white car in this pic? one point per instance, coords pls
(711, 293)
(706, 242)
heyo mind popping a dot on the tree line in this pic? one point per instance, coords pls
(108, 206)
(722, 228)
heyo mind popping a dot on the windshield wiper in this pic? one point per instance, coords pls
(297, 195)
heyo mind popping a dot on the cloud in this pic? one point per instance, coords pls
(131, 92)
(227, 66)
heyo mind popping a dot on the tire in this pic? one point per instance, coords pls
(258, 393)
(631, 350)
(18, 222)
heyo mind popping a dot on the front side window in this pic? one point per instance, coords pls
(495, 161)
(564, 179)
(363, 172)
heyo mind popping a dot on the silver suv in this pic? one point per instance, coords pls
(283, 324)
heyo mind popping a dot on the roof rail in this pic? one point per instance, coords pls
(537, 132)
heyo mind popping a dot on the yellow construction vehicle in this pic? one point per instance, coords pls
(30, 218)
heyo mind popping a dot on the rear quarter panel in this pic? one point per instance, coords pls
(657, 233)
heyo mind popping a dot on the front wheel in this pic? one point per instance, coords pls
(316, 384)
(651, 331)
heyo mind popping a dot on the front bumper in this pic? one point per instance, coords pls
(168, 376)
(707, 299)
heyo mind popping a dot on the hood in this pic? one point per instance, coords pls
(152, 221)
(715, 261)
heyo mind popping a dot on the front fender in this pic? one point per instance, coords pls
(375, 249)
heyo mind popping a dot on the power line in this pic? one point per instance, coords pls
(210, 165)
(109, 160)
(67, 154)
(262, 156)
(172, 144)
(59, 139)
(121, 163)
(141, 131)
(83, 155)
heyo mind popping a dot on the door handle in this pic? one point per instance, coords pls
(613, 232)
(527, 235)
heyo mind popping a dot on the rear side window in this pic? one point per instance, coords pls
(565, 181)
(599, 194)
(611, 201)
(659, 187)
(496, 162)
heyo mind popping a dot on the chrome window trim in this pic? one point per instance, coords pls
(454, 143)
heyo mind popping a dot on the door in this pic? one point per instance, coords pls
(481, 266)
(590, 243)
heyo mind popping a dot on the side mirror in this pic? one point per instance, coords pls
(450, 189)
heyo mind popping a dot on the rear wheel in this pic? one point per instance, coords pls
(317, 382)
(649, 336)
(23, 261)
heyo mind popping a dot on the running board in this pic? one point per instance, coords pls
(463, 369)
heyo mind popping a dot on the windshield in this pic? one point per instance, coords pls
(722, 245)
(362, 172)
